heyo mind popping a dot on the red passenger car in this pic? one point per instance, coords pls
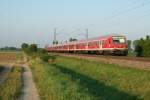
(112, 44)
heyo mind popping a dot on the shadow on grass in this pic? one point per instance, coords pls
(1, 68)
(96, 88)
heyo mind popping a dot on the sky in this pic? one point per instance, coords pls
(34, 21)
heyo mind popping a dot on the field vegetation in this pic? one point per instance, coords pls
(72, 79)
(10, 57)
(11, 88)
(63, 78)
(142, 47)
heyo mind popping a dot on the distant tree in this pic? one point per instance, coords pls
(147, 37)
(33, 48)
(9, 48)
(139, 50)
(142, 47)
(55, 42)
(72, 39)
(146, 47)
(24, 46)
(146, 50)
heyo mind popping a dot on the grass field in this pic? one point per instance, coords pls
(78, 79)
(11, 88)
(10, 57)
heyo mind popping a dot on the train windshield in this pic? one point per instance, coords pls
(118, 39)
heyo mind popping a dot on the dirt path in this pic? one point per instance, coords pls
(5, 72)
(29, 91)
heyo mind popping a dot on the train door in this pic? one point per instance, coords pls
(100, 47)
(100, 44)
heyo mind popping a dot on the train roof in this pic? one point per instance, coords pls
(100, 37)
(91, 39)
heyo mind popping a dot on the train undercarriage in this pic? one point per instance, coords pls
(114, 52)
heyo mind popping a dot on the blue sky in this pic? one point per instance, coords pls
(33, 21)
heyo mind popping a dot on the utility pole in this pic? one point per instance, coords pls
(54, 41)
(87, 33)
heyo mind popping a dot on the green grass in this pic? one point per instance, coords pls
(10, 50)
(11, 88)
(54, 85)
(132, 81)
(78, 79)
(131, 53)
(19, 56)
(5, 51)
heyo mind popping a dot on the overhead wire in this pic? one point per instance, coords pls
(128, 10)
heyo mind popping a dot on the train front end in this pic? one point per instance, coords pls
(119, 45)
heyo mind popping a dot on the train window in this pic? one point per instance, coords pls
(96, 43)
(104, 43)
(90, 43)
(84, 44)
(118, 39)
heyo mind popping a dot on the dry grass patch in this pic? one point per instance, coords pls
(11, 88)
(10, 57)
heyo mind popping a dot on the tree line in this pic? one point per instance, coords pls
(9, 48)
(142, 47)
(32, 50)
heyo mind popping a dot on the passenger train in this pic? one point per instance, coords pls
(114, 44)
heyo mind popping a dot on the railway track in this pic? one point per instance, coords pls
(134, 62)
(143, 59)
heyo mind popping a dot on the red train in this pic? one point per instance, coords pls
(110, 44)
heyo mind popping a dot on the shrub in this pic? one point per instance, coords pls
(142, 47)
(46, 57)
(24, 46)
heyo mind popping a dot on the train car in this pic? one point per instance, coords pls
(111, 44)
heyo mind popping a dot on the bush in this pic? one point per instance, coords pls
(146, 51)
(33, 48)
(33, 51)
(29, 49)
(24, 46)
(142, 47)
(139, 50)
(41, 51)
(46, 57)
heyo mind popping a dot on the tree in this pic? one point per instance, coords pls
(142, 47)
(9, 48)
(139, 50)
(55, 42)
(72, 39)
(146, 47)
(146, 51)
(24, 46)
(147, 37)
(33, 48)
